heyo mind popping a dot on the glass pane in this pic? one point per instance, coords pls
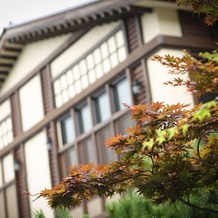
(76, 72)
(122, 94)
(83, 68)
(63, 80)
(2, 205)
(114, 60)
(122, 54)
(92, 77)
(91, 155)
(10, 136)
(78, 87)
(71, 91)
(90, 61)
(97, 56)
(106, 65)
(70, 77)
(120, 38)
(67, 130)
(103, 107)
(112, 44)
(11, 199)
(85, 81)
(65, 96)
(104, 50)
(58, 100)
(99, 71)
(73, 156)
(57, 87)
(86, 121)
(9, 124)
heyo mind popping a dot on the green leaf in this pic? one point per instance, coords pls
(184, 128)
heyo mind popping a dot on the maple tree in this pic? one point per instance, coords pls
(170, 154)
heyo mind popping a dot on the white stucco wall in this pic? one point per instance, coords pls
(161, 21)
(8, 168)
(158, 74)
(80, 47)
(31, 56)
(31, 103)
(38, 171)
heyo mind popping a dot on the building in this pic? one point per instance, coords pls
(63, 79)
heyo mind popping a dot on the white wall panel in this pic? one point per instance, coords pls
(38, 171)
(161, 21)
(8, 168)
(31, 103)
(32, 55)
(158, 74)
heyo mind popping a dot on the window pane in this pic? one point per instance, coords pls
(57, 87)
(91, 155)
(63, 82)
(73, 156)
(76, 72)
(122, 94)
(103, 107)
(83, 68)
(112, 44)
(85, 117)
(78, 87)
(90, 61)
(70, 77)
(92, 76)
(71, 91)
(106, 65)
(97, 56)
(99, 71)
(65, 96)
(85, 81)
(58, 100)
(114, 60)
(122, 54)
(104, 50)
(67, 130)
(119, 38)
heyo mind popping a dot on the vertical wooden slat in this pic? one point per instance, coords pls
(15, 114)
(53, 154)
(132, 32)
(47, 90)
(138, 74)
(21, 184)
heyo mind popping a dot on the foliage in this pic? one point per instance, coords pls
(208, 7)
(62, 212)
(171, 154)
(38, 214)
(161, 157)
(135, 206)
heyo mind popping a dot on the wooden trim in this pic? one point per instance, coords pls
(141, 53)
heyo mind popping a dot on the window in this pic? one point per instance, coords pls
(102, 106)
(85, 119)
(6, 133)
(67, 130)
(92, 67)
(122, 94)
(8, 198)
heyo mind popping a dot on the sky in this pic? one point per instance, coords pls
(19, 11)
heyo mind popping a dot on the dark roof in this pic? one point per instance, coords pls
(15, 37)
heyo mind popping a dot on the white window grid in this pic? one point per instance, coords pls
(90, 68)
(6, 132)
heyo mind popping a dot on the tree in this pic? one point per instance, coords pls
(169, 155)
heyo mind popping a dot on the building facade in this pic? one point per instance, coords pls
(63, 81)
